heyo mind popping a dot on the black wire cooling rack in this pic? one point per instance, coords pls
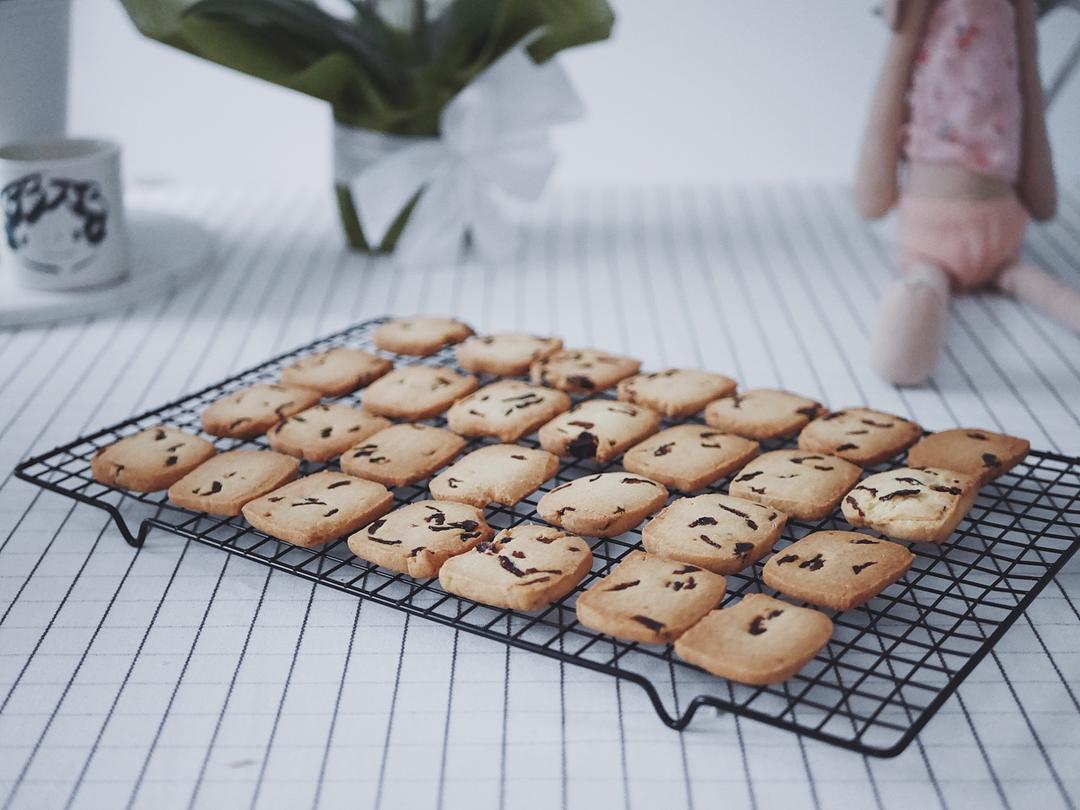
(888, 668)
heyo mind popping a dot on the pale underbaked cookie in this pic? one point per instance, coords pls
(758, 641)
(325, 431)
(253, 411)
(582, 371)
(497, 473)
(507, 410)
(716, 532)
(505, 354)
(650, 599)
(317, 508)
(222, 485)
(922, 505)
(418, 538)
(805, 485)
(416, 392)
(401, 454)
(151, 459)
(860, 435)
(762, 413)
(600, 428)
(677, 391)
(973, 451)
(838, 570)
(524, 568)
(420, 335)
(336, 371)
(602, 505)
(687, 457)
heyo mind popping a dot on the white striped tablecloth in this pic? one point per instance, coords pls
(180, 677)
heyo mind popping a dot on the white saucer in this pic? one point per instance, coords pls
(165, 249)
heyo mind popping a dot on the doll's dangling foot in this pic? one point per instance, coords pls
(911, 326)
(1034, 285)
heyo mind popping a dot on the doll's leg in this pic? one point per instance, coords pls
(1037, 287)
(911, 325)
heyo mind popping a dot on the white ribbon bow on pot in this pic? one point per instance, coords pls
(493, 144)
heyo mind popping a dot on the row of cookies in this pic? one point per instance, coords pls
(686, 457)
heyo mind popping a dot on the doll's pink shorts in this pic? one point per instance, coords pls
(971, 240)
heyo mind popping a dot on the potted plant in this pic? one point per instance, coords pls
(394, 73)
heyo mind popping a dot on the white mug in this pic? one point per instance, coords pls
(62, 209)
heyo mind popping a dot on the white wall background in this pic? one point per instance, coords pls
(685, 91)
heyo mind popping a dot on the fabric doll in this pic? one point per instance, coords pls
(958, 111)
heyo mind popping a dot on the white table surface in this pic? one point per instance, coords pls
(181, 677)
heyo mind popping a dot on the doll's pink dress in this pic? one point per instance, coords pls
(965, 109)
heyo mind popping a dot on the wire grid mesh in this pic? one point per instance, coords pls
(889, 666)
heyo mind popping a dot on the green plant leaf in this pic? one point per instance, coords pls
(311, 28)
(375, 75)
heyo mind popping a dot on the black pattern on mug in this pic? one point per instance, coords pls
(55, 223)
